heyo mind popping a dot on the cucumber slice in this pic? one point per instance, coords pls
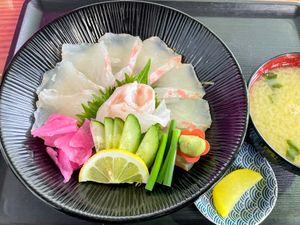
(191, 145)
(131, 134)
(109, 129)
(149, 145)
(98, 134)
(118, 128)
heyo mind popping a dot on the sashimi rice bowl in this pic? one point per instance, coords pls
(122, 110)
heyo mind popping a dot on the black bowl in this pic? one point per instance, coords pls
(198, 45)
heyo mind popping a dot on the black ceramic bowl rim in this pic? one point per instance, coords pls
(252, 80)
(140, 216)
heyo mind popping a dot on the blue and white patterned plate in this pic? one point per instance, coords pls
(257, 203)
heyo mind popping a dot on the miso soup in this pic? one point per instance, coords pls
(275, 110)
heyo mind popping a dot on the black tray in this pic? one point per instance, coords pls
(253, 31)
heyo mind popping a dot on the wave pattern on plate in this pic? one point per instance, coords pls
(212, 61)
(257, 203)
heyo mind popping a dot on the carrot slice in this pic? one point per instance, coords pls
(187, 158)
(194, 132)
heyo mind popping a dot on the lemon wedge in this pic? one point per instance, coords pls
(230, 189)
(114, 166)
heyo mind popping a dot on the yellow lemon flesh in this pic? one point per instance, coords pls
(114, 166)
(230, 189)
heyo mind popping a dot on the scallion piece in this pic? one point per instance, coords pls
(162, 171)
(271, 98)
(270, 76)
(157, 163)
(171, 158)
(292, 145)
(292, 151)
(161, 175)
(171, 128)
(277, 85)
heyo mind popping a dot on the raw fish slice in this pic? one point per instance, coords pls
(138, 99)
(66, 79)
(182, 76)
(123, 50)
(129, 98)
(161, 115)
(92, 60)
(68, 105)
(160, 71)
(48, 75)
(50, 101)
(173, 94)
(190, 113)
(162, 58)
(41, 115)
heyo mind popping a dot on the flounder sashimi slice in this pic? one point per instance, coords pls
(66, 79)
(123, 50)
(182, 76)
(160, 115)
(47, 79)
(92, 60)
(162, 58)
(51, 101)
(138, 99)
(190, 113)
(172, 94)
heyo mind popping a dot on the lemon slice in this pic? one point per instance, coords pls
(230, 189)
(113, 167)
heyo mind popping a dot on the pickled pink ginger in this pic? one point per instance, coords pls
(68, 145)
